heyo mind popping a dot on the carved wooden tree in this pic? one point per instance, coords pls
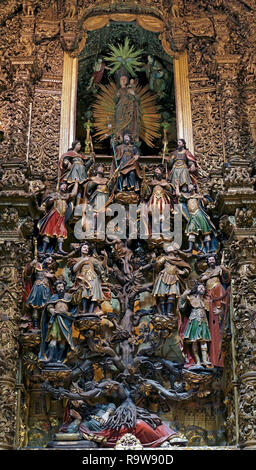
(219, 39)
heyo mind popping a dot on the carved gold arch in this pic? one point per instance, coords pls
(70, 75)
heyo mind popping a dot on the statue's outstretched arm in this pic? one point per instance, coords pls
(170, 394)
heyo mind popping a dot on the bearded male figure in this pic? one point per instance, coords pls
(56, 325)
(217, 279)
(125, 165)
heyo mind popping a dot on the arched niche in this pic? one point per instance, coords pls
(70, 77)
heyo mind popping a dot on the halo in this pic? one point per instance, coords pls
(104, 112)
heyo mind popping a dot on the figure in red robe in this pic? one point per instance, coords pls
(217, 279)
(53, 224)
(92, 421)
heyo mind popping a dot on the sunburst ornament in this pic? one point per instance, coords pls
(104, 112)
(124, 56)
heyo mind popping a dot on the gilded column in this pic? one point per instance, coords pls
(17, 208)
(236, 203)
(11, 253)
(243, 262)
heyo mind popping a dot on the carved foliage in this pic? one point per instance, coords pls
(44, 145)
(246, 413)
(10, 305)
(207, 130)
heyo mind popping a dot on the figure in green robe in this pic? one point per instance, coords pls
(197, 332)
(199, 225)
(56, 326)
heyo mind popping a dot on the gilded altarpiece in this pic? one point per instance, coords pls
(119, 348)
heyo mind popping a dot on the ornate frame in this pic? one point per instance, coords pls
(220, 40)
(70, 71)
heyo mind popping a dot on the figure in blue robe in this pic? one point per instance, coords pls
(56, 326)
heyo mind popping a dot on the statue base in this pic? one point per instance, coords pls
(56, 374)
(127, 197)
(72, 445)
(87, 321)
(56, 366)
(69, 441)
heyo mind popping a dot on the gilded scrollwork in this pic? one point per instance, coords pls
(126, 341)
(10, 304)
(43, 155)
(243, 255)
